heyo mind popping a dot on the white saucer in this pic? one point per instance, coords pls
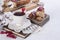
(26, 23)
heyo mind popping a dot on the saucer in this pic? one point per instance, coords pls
(16, 27)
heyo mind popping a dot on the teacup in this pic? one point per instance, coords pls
(18, 19)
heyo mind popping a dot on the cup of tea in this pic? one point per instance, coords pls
(19, 17)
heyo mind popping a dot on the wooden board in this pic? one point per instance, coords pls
(18, 34)
(28, 6)
(41, 23)
(32, 28)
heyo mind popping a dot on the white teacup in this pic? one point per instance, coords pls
(18, 20)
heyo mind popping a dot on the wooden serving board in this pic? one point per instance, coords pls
(20, 34)
(27, 7)
(41, 23)
(31, 5)
(32, 27)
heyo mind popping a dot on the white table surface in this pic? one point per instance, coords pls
(51, 30)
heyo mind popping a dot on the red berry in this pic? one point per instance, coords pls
(11, 36)
(23, 9)
(40, 8)
(2, 32)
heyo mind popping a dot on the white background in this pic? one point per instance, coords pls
(51, 30)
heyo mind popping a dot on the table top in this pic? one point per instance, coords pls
(51, 30)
